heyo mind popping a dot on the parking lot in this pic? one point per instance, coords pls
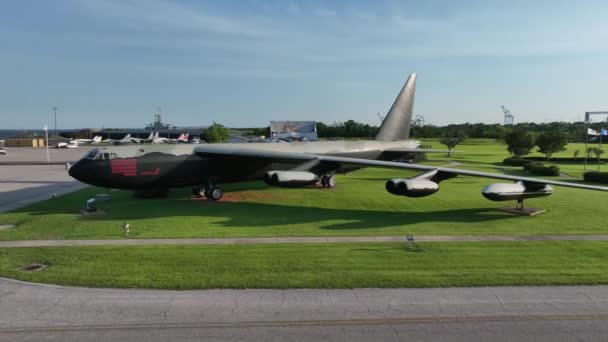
(21, 185)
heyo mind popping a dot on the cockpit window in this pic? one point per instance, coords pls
(91, 155)
(98, 155)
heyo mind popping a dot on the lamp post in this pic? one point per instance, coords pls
(55, 111)
(46, 133)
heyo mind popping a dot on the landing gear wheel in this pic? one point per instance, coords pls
(331, 182)
(328, 181)
(324, 181)
(215, 193)
(199, 191)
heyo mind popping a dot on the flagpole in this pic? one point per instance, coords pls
(599, 154)
(586, 148)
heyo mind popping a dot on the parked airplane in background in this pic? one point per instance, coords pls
(183, 138)
(142, 141)
(95, 140)
(156, 168)
(125, 140)
(71, 144)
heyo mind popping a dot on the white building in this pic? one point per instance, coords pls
(293, 130)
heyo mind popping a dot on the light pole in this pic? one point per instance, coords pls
(46, 133)
(55, 110)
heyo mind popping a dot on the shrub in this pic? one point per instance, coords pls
(531, 164)
(541, 170)
(595, 176)
(514, 161)
(567, 159)
(420, 157)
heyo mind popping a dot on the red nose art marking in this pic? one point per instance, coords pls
(154, 172)
(126, 167)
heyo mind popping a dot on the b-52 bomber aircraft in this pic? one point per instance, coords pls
(156, 168)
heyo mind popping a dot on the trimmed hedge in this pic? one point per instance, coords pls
(595, 176)
(514, 161)
(531, 164)
(541, 170)
(591, 159)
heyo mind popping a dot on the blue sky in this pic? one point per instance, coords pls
(242, 63)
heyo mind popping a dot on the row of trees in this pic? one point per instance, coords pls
(347, 129)
(573, 131)
(519, 141)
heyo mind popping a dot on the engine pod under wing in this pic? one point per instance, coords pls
(412, 187)
(515, 191)
(290, 178)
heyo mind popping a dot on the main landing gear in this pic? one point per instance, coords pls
(211, 191)
(328, 181)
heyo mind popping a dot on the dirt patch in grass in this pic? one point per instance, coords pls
(36, 266)
(245, 196)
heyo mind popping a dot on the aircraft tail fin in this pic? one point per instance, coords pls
(151, 136)
(156, 135)
(396, 124)
(97, 138)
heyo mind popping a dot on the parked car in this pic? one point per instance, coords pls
(2, 150)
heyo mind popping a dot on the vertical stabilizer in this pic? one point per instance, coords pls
(396, 124)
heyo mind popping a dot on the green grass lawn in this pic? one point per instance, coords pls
(315, 265)
(358, 206)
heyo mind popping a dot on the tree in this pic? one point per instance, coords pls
(450, 138)
(216, 133)
(519, 142)
(576, 153)
(550, 142)
(598, 152)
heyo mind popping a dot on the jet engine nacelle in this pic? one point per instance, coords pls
(412, 187)
(515, 191)
(290, 178)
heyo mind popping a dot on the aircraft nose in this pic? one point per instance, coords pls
(75, 171)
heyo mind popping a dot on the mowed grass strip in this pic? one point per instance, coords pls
(315, 266)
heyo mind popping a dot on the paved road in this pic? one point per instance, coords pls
(276, 240)
(56, 155)
(25, 184)
(41, 312)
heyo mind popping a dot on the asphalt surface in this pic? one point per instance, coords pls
(21, 185)
(31, 312)
(281, 240)
(25, 184)
(38, 155)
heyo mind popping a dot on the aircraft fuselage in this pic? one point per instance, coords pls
(140, 167)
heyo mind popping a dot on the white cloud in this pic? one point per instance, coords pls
(160, 15)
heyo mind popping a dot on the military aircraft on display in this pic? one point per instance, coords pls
(156, 168)
(95, 140)
(125, 140)
(183, 138)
